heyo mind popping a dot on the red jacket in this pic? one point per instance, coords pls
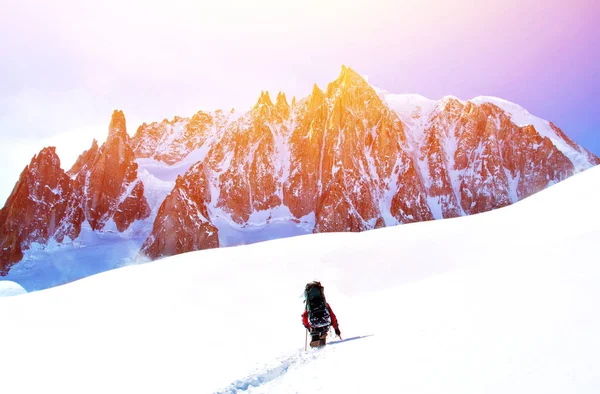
(334, 321)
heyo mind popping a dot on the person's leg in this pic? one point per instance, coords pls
(323, 339)
(315, 339)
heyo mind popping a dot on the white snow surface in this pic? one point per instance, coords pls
(406, 104)
(92, 252)
(500, 302)
(261, 226)
(9, 288)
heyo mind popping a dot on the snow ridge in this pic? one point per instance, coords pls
(414, 110)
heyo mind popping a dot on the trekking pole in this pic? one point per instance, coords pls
(305, 339)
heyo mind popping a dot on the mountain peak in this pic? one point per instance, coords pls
(348, 79)
(316, 91)
(281, 101)
(49, 151)
(349, 76)
(264, 99)
(47, 156)
(117, 123)
(347, 73)
(317, 97)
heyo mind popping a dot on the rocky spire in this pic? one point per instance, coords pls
(317, 98)
(106, 175)
(117, 125)
(282, 104)
(264, 99)
(43, 205)
(348, 79)
(281, 100)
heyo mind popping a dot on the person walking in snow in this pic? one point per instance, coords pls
(318, 315)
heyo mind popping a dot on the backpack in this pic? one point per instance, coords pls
(318, 312)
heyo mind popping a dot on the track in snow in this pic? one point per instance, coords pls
(283, 366)
(261, 377)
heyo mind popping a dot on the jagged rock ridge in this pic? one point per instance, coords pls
(347, 158)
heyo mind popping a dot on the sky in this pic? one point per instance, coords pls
(66, 65)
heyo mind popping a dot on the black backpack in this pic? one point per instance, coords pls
(318, 313)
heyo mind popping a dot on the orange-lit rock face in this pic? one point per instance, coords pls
(340, 157)
(247, 164)
(344, 156)
(533, 161)
(476, 159)
(340, 154)
(349, 159)
(182, 224)
(477, 162)
(107, 180)
(132, 206)
(42, 206)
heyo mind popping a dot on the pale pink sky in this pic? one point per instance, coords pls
(67, 64)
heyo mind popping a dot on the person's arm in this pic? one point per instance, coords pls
(305, 320)
(334, 321)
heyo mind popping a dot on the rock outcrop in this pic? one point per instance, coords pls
(475, 159)
(183, 224)
(107, 180)
(43, 206)
(48, 204)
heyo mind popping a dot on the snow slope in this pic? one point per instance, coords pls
(8, 288)
(498, 302)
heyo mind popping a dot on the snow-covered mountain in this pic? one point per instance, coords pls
(48, 204)
(501, 302)
(347, 158)
(344, 160)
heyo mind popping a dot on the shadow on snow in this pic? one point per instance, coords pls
(349, 339)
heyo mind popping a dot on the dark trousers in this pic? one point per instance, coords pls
(318, 336)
